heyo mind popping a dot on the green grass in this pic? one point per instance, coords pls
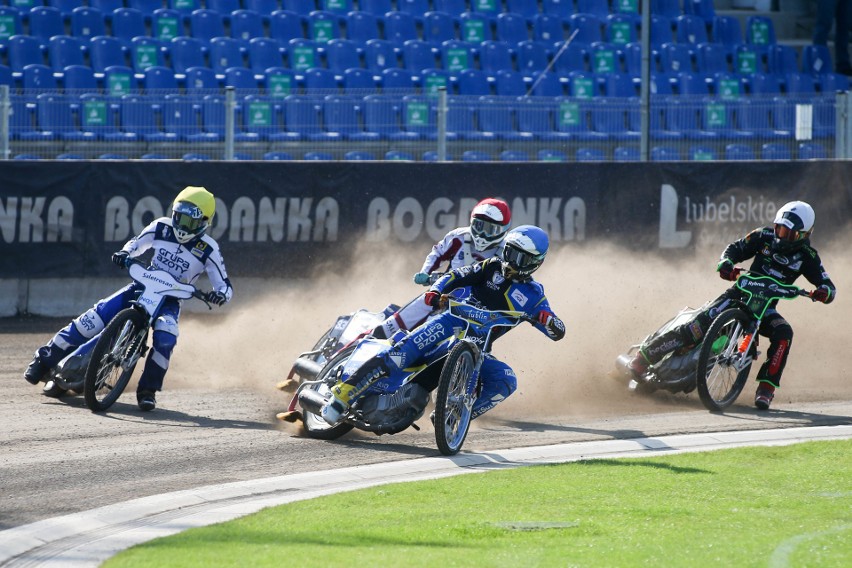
(759, 506)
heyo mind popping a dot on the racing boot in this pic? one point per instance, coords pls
(639, 365)
(36, 371)
(338, 404)
(147, 400)
(764, 395)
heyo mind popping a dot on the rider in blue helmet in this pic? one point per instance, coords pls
(503, 282)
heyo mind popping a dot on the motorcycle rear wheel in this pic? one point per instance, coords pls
(315, 425)
(113, 359)
(717, 380)
(454, 405)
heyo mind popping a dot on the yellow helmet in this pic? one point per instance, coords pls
(192, 211)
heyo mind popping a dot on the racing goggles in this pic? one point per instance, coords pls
(487, 229)
(188, 217)
(785, 233)
(520, 260)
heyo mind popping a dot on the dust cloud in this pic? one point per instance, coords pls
(609, 298)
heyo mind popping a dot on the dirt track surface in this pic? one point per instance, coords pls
(57, 457)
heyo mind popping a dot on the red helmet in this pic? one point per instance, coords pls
(489, 222)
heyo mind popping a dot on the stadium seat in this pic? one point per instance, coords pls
(259, 119)
(318, 156)
(400, 27)
(457, 56)
(225, 53)
(145, 6)
(195, 157)
(604, 58)
(775, 151)
(760, 31)
(514, 156)
(161, 79)
(812, 151)
(45, 22)
(382, 117)
(398, 156)
(454, 8)
(11, 24)
(711, 58)
(496, 116)
(527, 8)
(548, 29)
(302, 117)
(573, 118)
(438, 27)
(621, 29)
(278, 156)
(690, 30)
(418, 55)
(301, 7)
(128, 23)
(69, 156)
(359, 156)
(167, 24)
(599, 8)
(184, 7)
(246, 25)
(476, 156)
(546, 85)
(590, 155)
(495, 56)
(584, 85)
(473, 82)
(146, 52)
(726, 30)
(55, 119)
(418, 116)
(38, 77)
(322, 26)
(342, 54)
(213, 116)
(24, 50)
(625, 154)
(337, 7)
(200, 80)
(704, 9)
(665, 154)
(535, 116)
(279, 82)
(621, 85)
(487, 8)
(509, 83)
(433, 79)
(415, 8)
(342, 116)
(285, 25)
(396, 79)
(223, 6)
(79, 79)
(551, 156)
(263, 53)
(242, 80)
(106, 51)
(701, 153)
(137, 120)
(800, 84)
(375, 7)
(87, 22)
(362, 26)
(662, 31)
(263, 7)
(462, 121)
(511, 28)
(358, 81)
(532, 57)
(302, 54)
(380, 54)
(181, 121)
(320, 81)
(187, 52)
(588, 28)
(739, 152)
(474, 28)
(816, 59)
(609, 118)
(572, 57)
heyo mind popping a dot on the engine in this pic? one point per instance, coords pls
(392, 413)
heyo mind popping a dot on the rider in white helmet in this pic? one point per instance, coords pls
(489, 221)
(181, 248)
(781, 250)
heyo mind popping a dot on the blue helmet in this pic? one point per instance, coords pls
(523, 251)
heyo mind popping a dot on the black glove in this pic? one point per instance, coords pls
(822, 294)
(216, 298)
(727, 270)
(120, 258)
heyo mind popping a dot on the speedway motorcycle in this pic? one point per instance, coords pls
(718, 367)
(397, 401)
(102, 367)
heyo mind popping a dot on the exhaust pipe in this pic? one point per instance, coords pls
(307, 369)
(311, 401)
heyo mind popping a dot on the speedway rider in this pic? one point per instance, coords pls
(182, 249)
(499, 283)
(489, 221)
(782, 251)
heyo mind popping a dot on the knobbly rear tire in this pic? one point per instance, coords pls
(453, 404)
(106, 378)
(314, 425)
(719, 384)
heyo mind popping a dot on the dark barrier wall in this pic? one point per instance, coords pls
(64, 219)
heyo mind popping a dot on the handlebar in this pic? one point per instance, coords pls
(198, 294)
(801, 291)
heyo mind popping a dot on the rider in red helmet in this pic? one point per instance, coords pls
(489, 221)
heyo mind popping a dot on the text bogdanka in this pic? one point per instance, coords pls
(756, 211)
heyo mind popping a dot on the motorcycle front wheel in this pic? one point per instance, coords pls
(113, 359)
(454, 405)
(315, 425)
(718, 380)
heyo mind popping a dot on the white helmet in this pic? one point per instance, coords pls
(489, 221)
(794, 223)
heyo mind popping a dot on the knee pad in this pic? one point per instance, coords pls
(89, 323)
(164, 342)
(167, 324)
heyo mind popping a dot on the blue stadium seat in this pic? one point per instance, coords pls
(665, 154)
(418, 116)
(382, 117)
(711, 58)
(263, 7)
(153, 156)
(38, 77)
(609, 118)
(551, 156)
(242, 79)
(473, 82)
(495, 115)
(704, 9)
(362, 26)
(225, 52)
(206, 24)
(263, 53)
(621, 29)
(621, 85)
(400, 27)
(418, 55)
(454, 8)
(760, 31)
(24, 50)
(667, 8)
(358, 81)
(585, 85)
(605, 58)
(342, 116)
(739, 152)
(181, 121)
(690, 30)
(727, 31)
(747, 60)
(509, 83)
(195, 157)
(359, 156)
(87, 22)
(495, 56)
(303, 54)
(145, 6)
(137, 120)
(146, 52)
(547, 85)
(816, 59)
(224, 7)
(833, 82)
(213, 116)
(511, 28)
(457, 56)
(11, 24)
(701, 153)
(588, 28)
(322, 26)
(280, 81)
(128, 23)
(55, 119)
(187, 52)
(775, 151)
(487, 8)
(527, 8)
(625, 154)
(548, 29)
(438, 27)
(184, 7)
(342, 54)
(78, 79)
(415, 8)
(662, 31)
(200, 80)
(693, 84)
(514, 156)
(766, 83)
(259, 119)
(380, 54)
(573, 118)
(338, 7)
(302, 116)
(167, 24)
(158, 78)
(106, 51)
(320, 81)
(476, 156)
(246, 25)
(531, 57)
(399, 156)
(433, 79)
(375, 7)
(120, 80)
(45, 22)
(800, 84)
(301, 7)
(812, 151)
(285, 25)
(69, 156)
(318, 156)
(396, 79)
(590, 155)
(66, 50)
(474, 28)
(572, 57)
(278, 156)
(599, 8)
